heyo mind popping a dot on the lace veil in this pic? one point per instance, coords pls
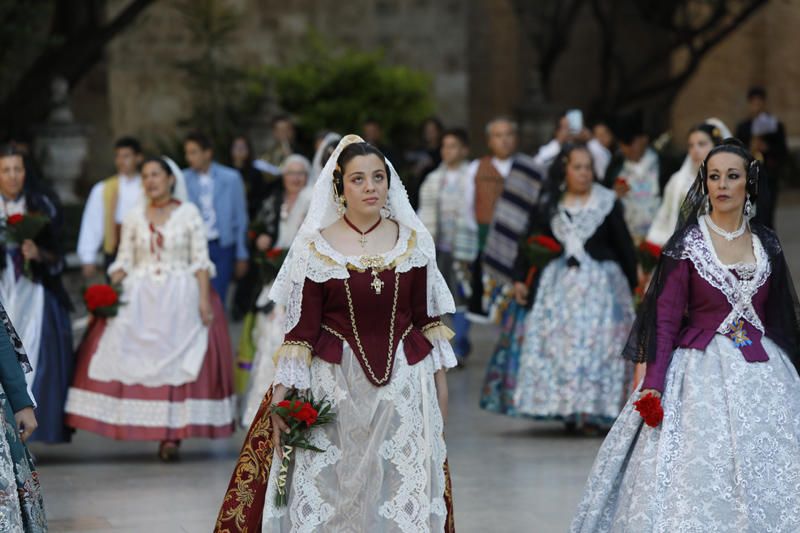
(288, 286)
(783, 310)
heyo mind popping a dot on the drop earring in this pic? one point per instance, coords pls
(386, 210)
(341, 206)
(748, 208)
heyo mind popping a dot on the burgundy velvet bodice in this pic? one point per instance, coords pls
(326, 321)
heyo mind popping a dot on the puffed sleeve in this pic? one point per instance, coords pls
(669, 317)
(433, 328)
(198, 244)
(126, 254)
(293, 358)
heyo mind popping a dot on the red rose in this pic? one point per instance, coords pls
(13, 220)
(621, 180)
(306, 414)
(273, 253)
(547, 242)
(98, 296)
(650, 409)
(251, 235)
(651, 249)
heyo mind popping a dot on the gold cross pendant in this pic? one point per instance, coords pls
(377, 284)
(363, 240)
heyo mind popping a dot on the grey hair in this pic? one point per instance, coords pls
(296, 158)
(501, 118)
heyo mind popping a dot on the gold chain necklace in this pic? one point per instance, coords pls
(391, 331)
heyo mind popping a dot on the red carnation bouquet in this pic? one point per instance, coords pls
(102, 300)
(302, 414)
(269, 263)
(20, 228)
(648, 254)
(650, 409)
(540, 250)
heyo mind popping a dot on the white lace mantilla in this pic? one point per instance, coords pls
(302, 261)
(574, 227)
(699, 249)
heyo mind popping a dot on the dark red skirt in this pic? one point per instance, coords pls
(243, 504)
(204, 408)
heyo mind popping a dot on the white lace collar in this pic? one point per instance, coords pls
(699, 249)
(573, 227)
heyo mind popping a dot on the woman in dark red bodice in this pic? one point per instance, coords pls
(363, 301)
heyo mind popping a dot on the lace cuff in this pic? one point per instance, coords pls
(437, 331)
(293, 373)
(299, 350)
(443, 355)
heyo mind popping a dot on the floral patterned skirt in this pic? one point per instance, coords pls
(501, 374)
(21, 505)
(724, 460)
(570, 367)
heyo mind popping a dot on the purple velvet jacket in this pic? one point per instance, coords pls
(689, 312)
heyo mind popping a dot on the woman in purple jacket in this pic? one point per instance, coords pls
(718, 330)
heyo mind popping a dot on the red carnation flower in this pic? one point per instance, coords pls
(650, 248)
(650, 409)
(306, 414)
(274, 253)
(98, 296)
(13, 220)
(546, 242)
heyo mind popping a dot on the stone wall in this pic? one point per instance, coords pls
(148, 96)
(475, 51)
(762, 52)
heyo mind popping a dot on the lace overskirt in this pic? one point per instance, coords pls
(382, 468)
(724, 460)
(570, 366)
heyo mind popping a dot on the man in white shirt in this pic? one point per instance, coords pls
(562, 134)
(109, 201)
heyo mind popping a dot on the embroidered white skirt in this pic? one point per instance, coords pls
(724, 460)
(383, 465)
(569, 366)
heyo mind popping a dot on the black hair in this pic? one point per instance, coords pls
(757, 91)
(732, 145)
(9, 150)
(201, 139)
(129, 142)
(281, 117)
(433, 120)
(349, 153)
(709, 129)
(246, 139)
(558, 169)
(163, 164)
(459, 133)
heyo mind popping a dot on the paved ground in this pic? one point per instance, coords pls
(509, 475)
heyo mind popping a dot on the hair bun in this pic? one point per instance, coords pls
(733, 141)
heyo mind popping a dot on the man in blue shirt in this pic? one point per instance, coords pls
(218, 191)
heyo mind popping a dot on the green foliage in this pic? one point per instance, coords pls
(326, 89)
(223, 94)
(23, 35)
